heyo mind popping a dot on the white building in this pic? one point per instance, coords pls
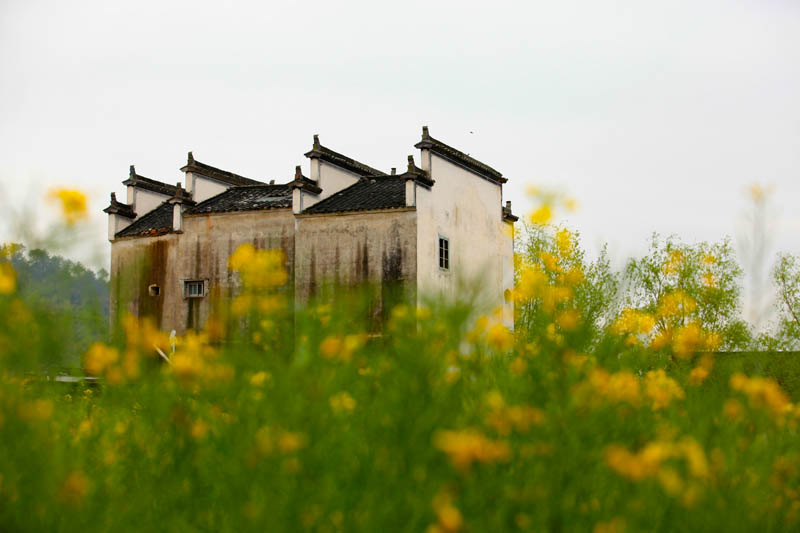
(431, 230)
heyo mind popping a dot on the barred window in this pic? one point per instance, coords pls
(444, 253)
(194, 289)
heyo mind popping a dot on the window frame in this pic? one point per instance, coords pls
(193, 282)
(443, 253)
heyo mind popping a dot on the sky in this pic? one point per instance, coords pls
(655, 116)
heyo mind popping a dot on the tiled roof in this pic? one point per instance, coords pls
(139, 181)
(249, 198)
(119, 208)
(224, 176)
(386, 192)
(156, 222)
(457, 156)
(347, 163)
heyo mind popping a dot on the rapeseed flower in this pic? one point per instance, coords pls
(8, 278)
(342, 402)
(73, 204)
(762, 393)
(74, 488)
(661, 389)
(500, 338)
(467, 446)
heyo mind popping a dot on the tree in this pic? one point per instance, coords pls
(681, 285)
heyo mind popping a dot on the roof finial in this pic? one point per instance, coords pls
(425, 134)
(272, 182)
(394, 171)
(191, 158)
(411, 165)
(113, 198)
(132, 171)
(508, 205)
(298, 174)
(316, 140)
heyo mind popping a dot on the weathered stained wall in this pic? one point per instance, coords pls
(467, 210)
(376, 247)
(200, 252)
(137, 263)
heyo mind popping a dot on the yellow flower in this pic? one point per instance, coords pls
(8, 278)
(615, 525)
(709, 259)
(661, 389)
(687, 340)
(541, 216)
(564, 242)
(342, 402)
(99, 358)
(762, 393)
(500, 338)
(448, 516)
(698, 375)
(574, 276)
(259, 378)
(73, 204)
(468, 446)
(35, 411)
(74, 488)
(674, 263)
(568, 319)
(518, 366)
(290, 442)
(330, 347)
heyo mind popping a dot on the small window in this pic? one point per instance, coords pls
(444, 253)
(154, 290)
(194, 289)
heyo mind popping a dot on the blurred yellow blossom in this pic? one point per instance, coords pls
(615, 525)
(73, 204)
(74, 488)
(568, 319)
(764, 393)
(661, 389)
(500, 338)
(341, 402)
(99, 358)
(259, 378)
(289, 441)
(542, 215)
(8, 278)
(467, 446)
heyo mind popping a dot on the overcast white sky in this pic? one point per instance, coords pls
(655, 115)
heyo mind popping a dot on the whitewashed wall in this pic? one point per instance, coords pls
(202, 188)
(467, 210)
(145, 201)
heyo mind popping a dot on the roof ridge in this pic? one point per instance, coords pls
(135, 178)
(341, 160)
(445, 150)
(222, 175)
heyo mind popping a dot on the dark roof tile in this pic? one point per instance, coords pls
(249, 198)
(156, 222)
(388, 192)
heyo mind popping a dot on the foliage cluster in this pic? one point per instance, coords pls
(604, 410)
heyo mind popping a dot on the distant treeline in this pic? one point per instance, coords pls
(72, 299)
